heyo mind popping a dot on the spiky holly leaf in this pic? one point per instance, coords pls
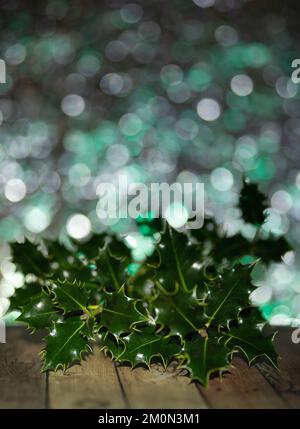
(252, 203)
(109, 344)
(248, 338)
(142, 347)
(65, 263)
(39, 312)
(23, 295)
(112, 268)
(70, 296)
(203, 357)
(228, 296)
(29, 258)
(182, 312)
(178, 261)
(65, 344)
(119, 313)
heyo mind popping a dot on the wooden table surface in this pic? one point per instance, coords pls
(99, 383)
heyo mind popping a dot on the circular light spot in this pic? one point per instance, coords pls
(78, 226)
(208, 109)
(286, 88)
(221, 179)
(15, 190)
(15, 54)
(116, 51)
(226, 35)
(36, 220)
(171, 74)
(130, 124)
(281, 201)
(73, 105)
(204, 3)
(241, 85)
(118, 84)
(79, 174)
(117, 155)
(131, 13)
(176, 215)
(88, 65)
(261, 295)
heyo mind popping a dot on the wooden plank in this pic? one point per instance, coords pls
(159, 389)
(287, 381)
(93, 384)
(21, 383)
(243, 387)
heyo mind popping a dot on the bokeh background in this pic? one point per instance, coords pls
(157, 90)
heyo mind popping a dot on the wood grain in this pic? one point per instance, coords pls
(93, 384)
(21, 383)
(157, 388)
(243, 387)
(286, 382)
(99, 383)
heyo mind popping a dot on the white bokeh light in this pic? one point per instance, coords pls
(176, 215)
(221, 179)
(15, 190)
(241, 85)
(36, 220)
(78, 226)
(73, 105)
(208, 109)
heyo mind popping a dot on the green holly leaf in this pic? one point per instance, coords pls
(70, 296)
(178, 261)
(142, 347)
(203, 357)
(29, 258)
(248, 338)
(39, 312)
(253, 204)
(181, 312)
(67, 264)
(112, 268)
(109, 344)
(65, 344)
(228, 295)
(23, 295)
(119, 313)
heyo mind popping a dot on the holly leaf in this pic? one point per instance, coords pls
(203, 357)
(252, 203)
(178, 261)
(67, 264)
(23, 295)
(119, 313)
(65, 344)
(39, 312)
(29, 258)
(181, 312)
(250, 340)
(142, 347)
(109, 344)
(112, 268)
(70, 296)
(228, 295)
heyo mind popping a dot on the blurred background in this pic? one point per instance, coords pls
(160, 90)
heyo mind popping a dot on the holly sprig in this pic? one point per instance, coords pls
(189, 301)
